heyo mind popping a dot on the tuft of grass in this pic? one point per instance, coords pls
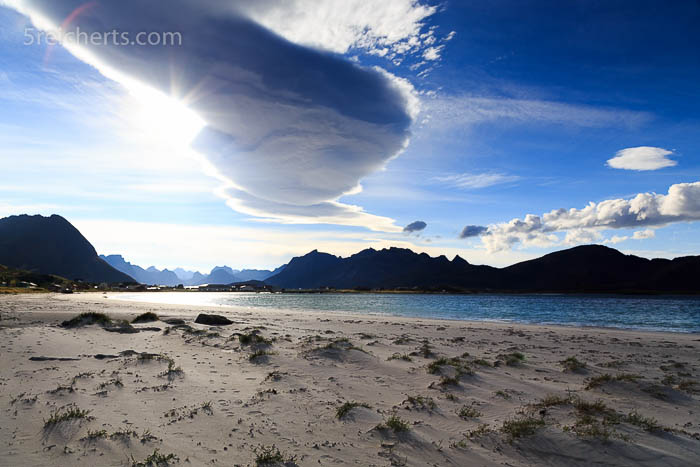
(460, 366)
(86, 319)
(123, 434)
(421, 402)
(600, 380)
(591, 408)
(257, 354)
(589, 427)
(512, 359)
(469, 411)
(155, 459)
(346, 407)
(553, 400)
(426, 350)
(95, 434)
(270, 455)
(147, 317)
(646, 423)
(253, 338)
(61, 388)
(116, 382)
(573, 365)
(147, 436)
(448, 381)
(172, 370)
(342, 344)
(399, 356)
(520, 427)
(394, 423)
(503, 394)
(64, 414)
(434, 367)
(481, 430)
(85, 374)
(275, 375)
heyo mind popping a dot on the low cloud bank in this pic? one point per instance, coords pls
(680, 204)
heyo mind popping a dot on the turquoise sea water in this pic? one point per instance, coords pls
(669, 313)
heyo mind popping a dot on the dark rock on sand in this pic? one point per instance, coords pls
(101, 356)
(174, 321)
(212, 320)
(53, 359)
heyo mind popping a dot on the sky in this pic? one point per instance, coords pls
(494, 130)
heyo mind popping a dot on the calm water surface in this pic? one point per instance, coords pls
(678, 314)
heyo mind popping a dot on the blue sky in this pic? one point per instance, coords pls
(524, 107)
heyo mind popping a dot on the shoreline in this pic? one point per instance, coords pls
(438, 392)
(114, 295)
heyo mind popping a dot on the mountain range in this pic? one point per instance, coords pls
(51, 245)
(218, 275)
(583, 269)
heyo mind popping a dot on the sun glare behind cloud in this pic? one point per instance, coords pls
(162, 119)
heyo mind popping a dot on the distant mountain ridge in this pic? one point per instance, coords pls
(218, 274)
(143, 276)
(51, 245)
(585, 269)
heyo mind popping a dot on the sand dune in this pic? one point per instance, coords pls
(421, 392)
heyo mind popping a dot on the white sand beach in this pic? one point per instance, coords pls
(429, 393)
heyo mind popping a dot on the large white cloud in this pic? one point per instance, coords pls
(391, 29)
(642, 158)
(680, 204)
(290, 128)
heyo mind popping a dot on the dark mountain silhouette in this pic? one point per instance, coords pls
(388, 268)
(51, 245)
(586, 269)
(152, 275)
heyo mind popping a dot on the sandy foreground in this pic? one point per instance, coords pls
(486, 406)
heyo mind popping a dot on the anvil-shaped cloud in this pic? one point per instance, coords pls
(290, 128)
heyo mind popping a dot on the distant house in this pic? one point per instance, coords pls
(215, 288)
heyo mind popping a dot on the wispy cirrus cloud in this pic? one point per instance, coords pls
(444, 112)
(642, 158)
(468, 181)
